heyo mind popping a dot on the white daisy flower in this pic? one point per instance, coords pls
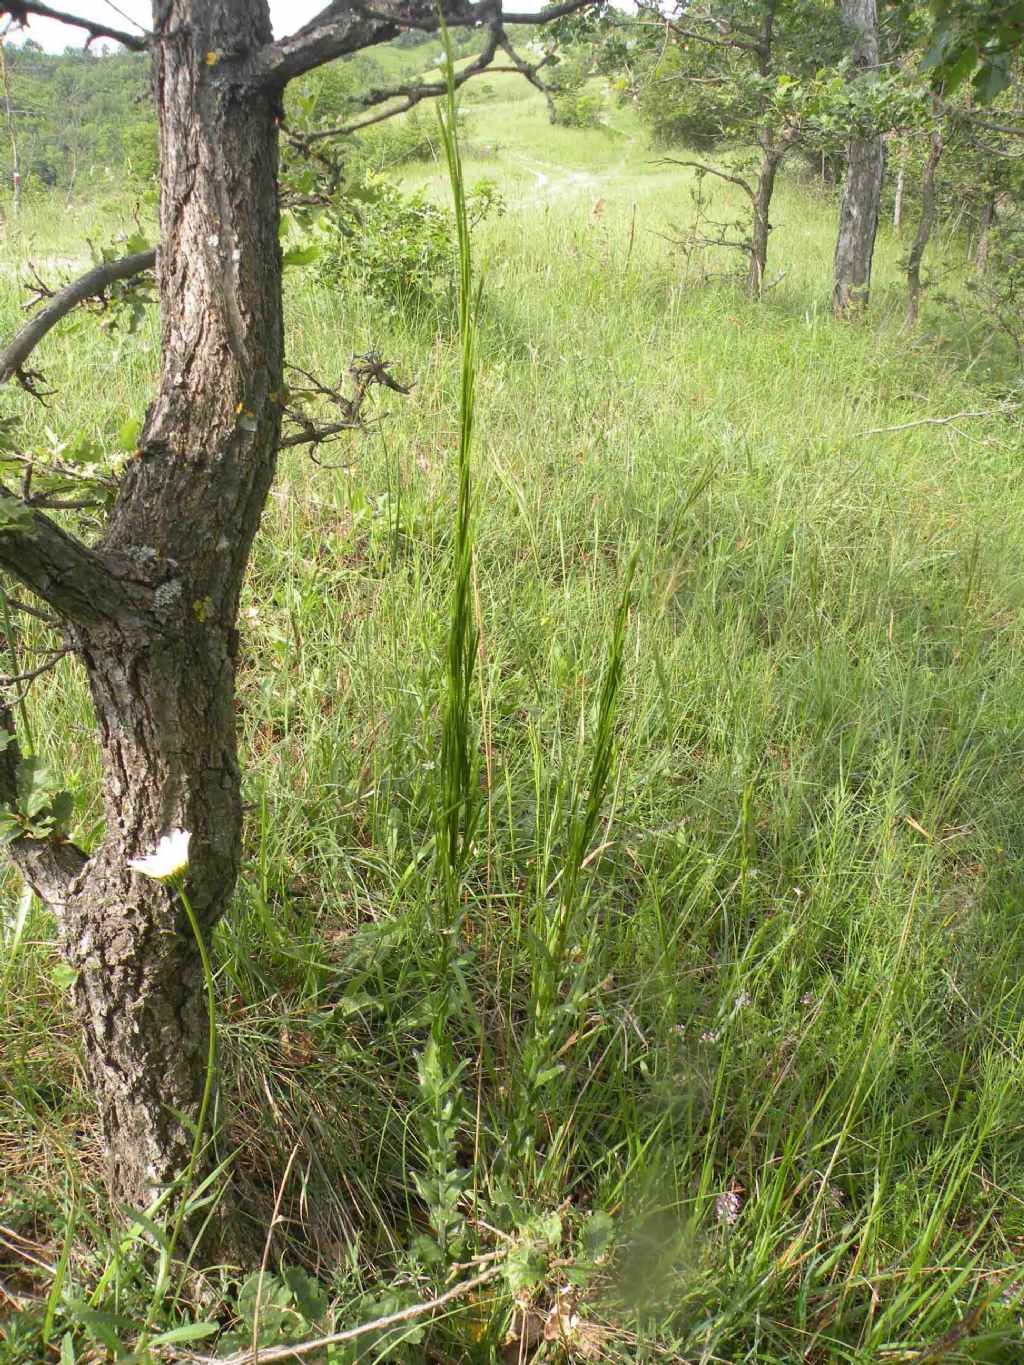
(168, 859)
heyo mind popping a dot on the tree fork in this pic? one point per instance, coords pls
(150, 610)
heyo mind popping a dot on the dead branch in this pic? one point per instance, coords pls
(530, 73)
(341, 28)
(88, 286)
(306, 1348)
(21, 11)
(15, 679)
(1004, 411)
(366, 371)
(713, 170)
(410, 94)
(15, 605)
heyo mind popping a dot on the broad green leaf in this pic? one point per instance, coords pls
(128, 435)
(300, 255)
(64, 977)
(10, 826)
(597, 1235)
(62, 807)
(190, 1331)
(524, 1268)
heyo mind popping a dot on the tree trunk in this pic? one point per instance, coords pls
(924, 229)
(162, 679)
(862, 190)
(988, 217)
(897, 209)
(771, 156)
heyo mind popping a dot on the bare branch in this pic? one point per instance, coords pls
(366, 370)
(713, 170)
(17, 679)
(88, 286)
(15, 605)
(21, 11)
(546, 16)
(306, 1348)
(410, 94)
(310, 434)
(339, 29)
(530, 72)
(697, 36)
(346, 26)
(1004, 411)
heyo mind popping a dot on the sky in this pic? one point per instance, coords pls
(287, 15)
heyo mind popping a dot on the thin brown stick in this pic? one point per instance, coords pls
(712, 170)
(274, 1219)
(940, 421)
(18, 1301)
(22, 1247)
(55, 657)
(307, 1348)
(410, 94)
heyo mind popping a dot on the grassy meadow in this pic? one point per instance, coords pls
(761, 1097)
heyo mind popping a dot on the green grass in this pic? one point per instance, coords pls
(788, 1012)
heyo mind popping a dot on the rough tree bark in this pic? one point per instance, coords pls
(157, 639)
(150, 610)
(862, 189)
(924, 228)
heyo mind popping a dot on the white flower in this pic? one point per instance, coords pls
(168, 859)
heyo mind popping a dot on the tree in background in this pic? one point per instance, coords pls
(865, 166)
(737, 74)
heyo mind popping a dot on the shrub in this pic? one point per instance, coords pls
(578, 110)
(397, 249)
(999, 290)
(415, 137)
(141, 154)
(679, 112)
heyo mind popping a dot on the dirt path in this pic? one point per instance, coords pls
(552, 181)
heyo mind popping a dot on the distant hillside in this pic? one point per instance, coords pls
(82, 118)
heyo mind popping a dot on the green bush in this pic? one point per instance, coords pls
(578, 110)
(397, 249)
(141, 154)
(415, 137)
(679, 112)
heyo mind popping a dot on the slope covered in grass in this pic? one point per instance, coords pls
(785, 1118)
